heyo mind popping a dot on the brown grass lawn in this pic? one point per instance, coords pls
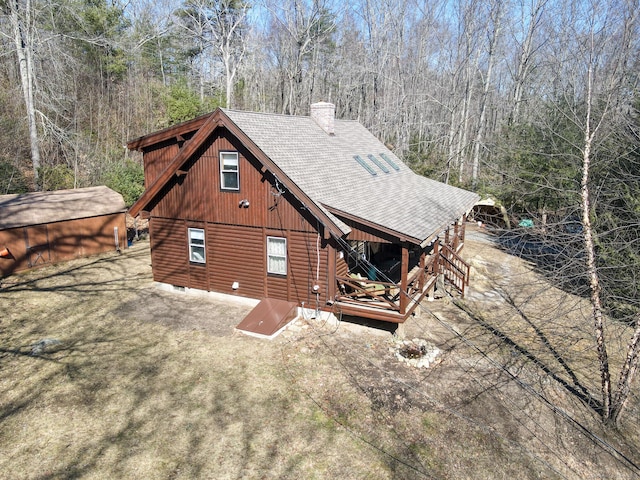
(134, 382)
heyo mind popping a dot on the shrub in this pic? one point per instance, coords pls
(11, 179)
(57, 177)
(125, 178)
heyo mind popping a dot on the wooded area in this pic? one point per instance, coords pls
(534, 102)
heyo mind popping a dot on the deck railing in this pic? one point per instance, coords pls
(456, 271)
(386, 296)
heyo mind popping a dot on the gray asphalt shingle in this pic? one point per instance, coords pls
(323, 166)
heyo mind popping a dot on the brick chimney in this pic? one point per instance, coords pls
(324, 114)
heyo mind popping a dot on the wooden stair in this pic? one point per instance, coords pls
(455, 270)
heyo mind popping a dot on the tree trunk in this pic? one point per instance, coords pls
(229, 76)
(594, 279)
(626, 376)
(612, 82)
(24, 51)
(485, 94)
(525, 61)
(466, 108)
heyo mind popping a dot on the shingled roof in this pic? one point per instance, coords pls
(37, 208)
(348, 174)
(324, 166)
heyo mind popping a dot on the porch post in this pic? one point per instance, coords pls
(436, 254)
(423, 262)
(455, 236)
(404, 269)
(331, 272)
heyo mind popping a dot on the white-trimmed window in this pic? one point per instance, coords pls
(196, 246)
(277, 255)
(229, 173)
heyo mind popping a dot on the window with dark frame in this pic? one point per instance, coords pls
(277, 255)
(229, 171)
(196, 245)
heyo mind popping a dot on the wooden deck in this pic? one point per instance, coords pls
(393, 302)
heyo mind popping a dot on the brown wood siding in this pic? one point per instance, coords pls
(60, 241)
(342, 268)
(331, 272)
(303, 251)
(360, 235)
(197, 195)
(278, 287)
(173, 201)
(281, 214)
(13, 239)
(365, 233)
(88, 236)
(235, 236)
(169, 251)
(236, 254)
(39, 244)
(156, 160)
(198, 277)
(201, 185)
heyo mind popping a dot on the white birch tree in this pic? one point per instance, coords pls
(604, 37)
(22, 15)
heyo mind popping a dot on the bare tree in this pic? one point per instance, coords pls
(193, 19)
(532, 15)
(22, 18)
(495, 26)
(298, 28)
(604, 37)
(227, 24)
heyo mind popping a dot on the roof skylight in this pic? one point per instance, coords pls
(390, 162)
(364, 164)
(378, 163)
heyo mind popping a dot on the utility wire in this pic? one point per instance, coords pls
(581, 428)
(606, 446)
(442, 407)
(438, 405)
(519, 421)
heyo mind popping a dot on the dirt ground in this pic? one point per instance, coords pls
(103, 375)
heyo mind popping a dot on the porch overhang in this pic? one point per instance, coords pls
(381, 230)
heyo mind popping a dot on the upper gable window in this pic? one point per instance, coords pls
(229, 172)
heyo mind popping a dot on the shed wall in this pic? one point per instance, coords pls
(37, 245)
